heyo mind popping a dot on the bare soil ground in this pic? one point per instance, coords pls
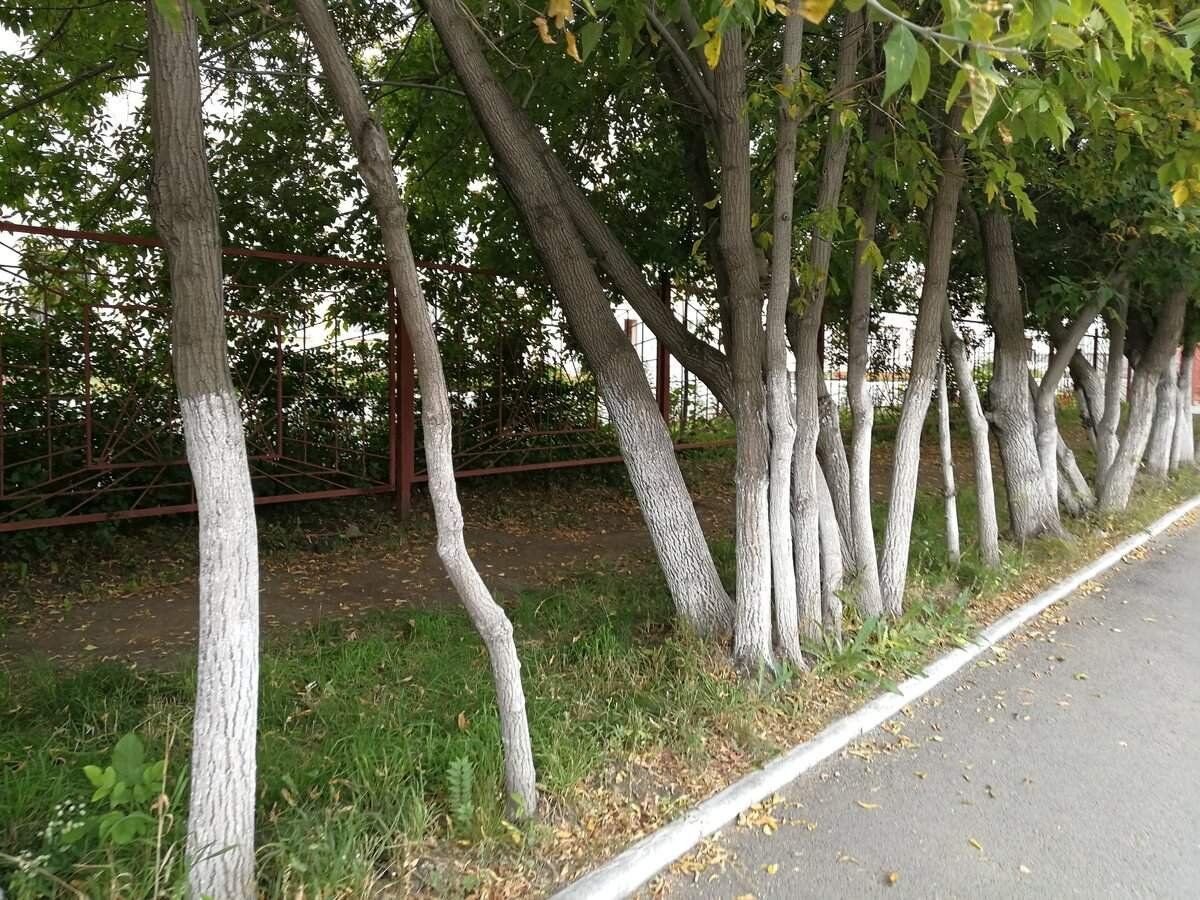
(137, 603)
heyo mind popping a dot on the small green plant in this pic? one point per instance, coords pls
(460, 784)
(124, 817)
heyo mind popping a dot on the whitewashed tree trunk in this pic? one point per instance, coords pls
(1183, 449)
(832, 565)
(945, 447)
(893, 564)
(670, 515)
(220, 829)
(981, 451)
(779, 395)
(1162, 429)
(1032, 508)
(835, 466)
(1117, 482)
(1107, 440)
(806, 509)
(867, 593)
(495, 629)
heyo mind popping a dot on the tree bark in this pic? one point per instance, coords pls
(953, 546)
(981, 451)
(1107, 441)
(832, 565)
(1118, 479)
(646, 446)
(893, 567)
(220, 832)
(375, 166)
(1183, 449)
(867, 593)
(1162, 429)
(806, 346)
(835, 465)
(752, 624)
(779, 399)
(1032, 507)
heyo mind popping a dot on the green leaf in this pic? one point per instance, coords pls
(1065, 37)
(589, 36)
(1118, 12)
(128, 758)
(900, 54)
(94, 774)
(920, 74)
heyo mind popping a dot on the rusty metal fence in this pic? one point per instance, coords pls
(89, 423)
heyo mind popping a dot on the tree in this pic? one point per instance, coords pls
(220, 845)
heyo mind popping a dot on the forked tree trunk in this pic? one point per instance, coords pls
(1183, 450)
(220, 830)
(752, 648)
(893, 564)
(649, 455)
(981, 451)
(1162, 429)
(1117, 481)
(945, 447)
(779, 399)
(1032, 508)
(495, 629)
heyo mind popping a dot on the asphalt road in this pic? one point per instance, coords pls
(1057, 768)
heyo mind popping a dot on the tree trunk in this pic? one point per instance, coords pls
(1074, 493)
(220, 832)
(809, 369)
(953, 547)
(752, 624)
(893, 568)
(1162, 429)
(1183, 450)
(981, 451)
(779, 399)
(1089, 396)
(867, 595)
(1033, 509)
(832, 566)
(495, 629)
(831, 454)
(1107, 441)
(646, 446)
(1118, 478)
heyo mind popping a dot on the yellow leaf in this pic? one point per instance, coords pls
(712, 50)
(974, 843)
(560, 11)
(867, 805)
(771, 868)
(543, 30)
(815, 10)
(571, 50)
(893, 877)
(1180, 193)
(463, 722)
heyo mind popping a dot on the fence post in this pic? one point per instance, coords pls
(403, 450)
(662, 380)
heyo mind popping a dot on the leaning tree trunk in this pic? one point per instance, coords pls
(779, 400)
(670, 515)
(988, 526)
(946, 451)
(1183, 449)
(1032, 508)
(1089, 396)
(1162, 429)
(752, 625)
(489, 619)
(1117, 482)
(835, 465)
(220, 831)
(893, 564)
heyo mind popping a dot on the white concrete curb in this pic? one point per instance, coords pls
(633, 867)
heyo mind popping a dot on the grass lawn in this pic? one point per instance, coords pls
(379, 744)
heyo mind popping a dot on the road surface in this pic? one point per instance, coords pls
(1057, 768)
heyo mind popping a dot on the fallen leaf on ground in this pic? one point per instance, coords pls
(867, 805)
(974, 843)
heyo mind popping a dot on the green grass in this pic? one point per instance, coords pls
(365, 725)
